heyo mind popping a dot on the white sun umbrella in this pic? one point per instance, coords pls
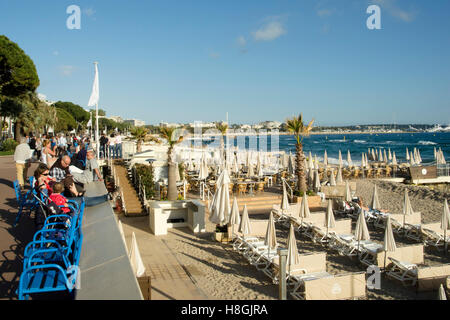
(389, 154)
(316, 163)
(271, 234)
(434, 153)
(442, 295)
(244, 226)
(339, 179)
(407, 154)
(332, 179)
(349, 159)
(291, 166)
(418, 154)
(347, 194)
(325, 158)
(135, 258)
(373, 155)
(375, 202)
(305, 164)
(311, 177)
(251, 171)
(380, 156)
(407, 208)
(259, 171)
(389, 240)
(384, 156)
(220, 205)
(317, 183)
(361, 230)
(293, 257)
(340, 158)
(411, 159)
(445, 223)
(235, 218)
(304, 208)
(363, 161)
(329, 217)
(284, 199)
(394, 159)
(443, 158)
(310, 161)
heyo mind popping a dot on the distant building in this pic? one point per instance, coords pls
(169, 125)
(134, 122)
(117, 119)
(270, 124)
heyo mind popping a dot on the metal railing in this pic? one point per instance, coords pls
(443, 170)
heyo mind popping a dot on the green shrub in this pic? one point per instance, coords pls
(9, 145)
(146, 173)
(309, 193)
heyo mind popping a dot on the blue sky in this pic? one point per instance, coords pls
(184, 61)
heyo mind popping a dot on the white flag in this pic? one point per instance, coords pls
(89, 124)
(95, 95)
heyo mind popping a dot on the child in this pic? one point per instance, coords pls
(58, 198)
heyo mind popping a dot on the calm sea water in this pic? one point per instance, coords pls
(357, 144)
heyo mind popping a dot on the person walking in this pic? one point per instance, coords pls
(112, 148)
(118, 146)
(22, 157)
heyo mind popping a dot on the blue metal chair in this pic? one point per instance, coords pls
(25, 201)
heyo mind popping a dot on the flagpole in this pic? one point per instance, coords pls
(97, 146)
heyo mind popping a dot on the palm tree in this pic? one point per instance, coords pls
(139, 133)
(168, 134)
(296, 126)
(222, 127)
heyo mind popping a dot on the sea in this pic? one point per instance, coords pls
(356, 143)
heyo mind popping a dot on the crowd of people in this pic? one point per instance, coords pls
(66, 160)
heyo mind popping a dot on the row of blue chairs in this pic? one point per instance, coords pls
(51, 259)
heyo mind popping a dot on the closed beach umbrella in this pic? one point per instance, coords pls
(411, 159)
(316, 162)
(311, 177)
(325, 158)
(394, 159)
(339, 176)
(375, 201)
(380, 156)
(290, 166)
(442, 295)
(135, 258)
(384, 156)
(310, 161)
(390, 155)
(259, 169)
(304, 208)
(363, 161)
(284, 199)
(235, 218)
(329, 217)
(443, 158)
(407, 154)
(203, 173)
(349, 159)
(251, 171)
(445, 223)
(347, 194)
(271, 234)
(361, 230)
(418, 154)
(292, 256)
(316, 181)
(389, 240)
(373, 155)
(332, 179)
(340, 158)
(244, 226)
(220, 206)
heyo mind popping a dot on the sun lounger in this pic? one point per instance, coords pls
(402, 271)
(373, 254)
(413, 232)
(432, 235)
(309, 263)
(345, 244)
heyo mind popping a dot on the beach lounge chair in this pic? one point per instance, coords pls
(402, 271)
(309, 263)
(345, 245)
(413, 232)
(373, 254)
(432, 235)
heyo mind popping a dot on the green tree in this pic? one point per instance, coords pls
(18, 81)
(223, 128)
(80, 115)
(65, 121)
(296, 126)
(139, 134)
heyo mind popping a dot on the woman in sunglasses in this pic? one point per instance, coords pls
(43, 181)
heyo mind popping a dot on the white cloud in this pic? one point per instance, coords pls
(324, 12)
(89, 12)
(66, 70)
(269, 31)
(55, 53)
(241, 41)
(391, 8)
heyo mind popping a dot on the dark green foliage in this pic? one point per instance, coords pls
(146, 173)
(78, 113)
(65, 121)
(18, 73)
(309, 193)
(8, 145)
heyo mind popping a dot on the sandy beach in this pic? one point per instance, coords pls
(221, 273)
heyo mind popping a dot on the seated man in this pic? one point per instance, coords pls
(91, 173)
(60, 172)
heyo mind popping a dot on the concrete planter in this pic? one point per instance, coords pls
(313, 201)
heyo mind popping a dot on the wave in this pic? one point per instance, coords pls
(426, 143)
(338, 140)
(360, 141)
